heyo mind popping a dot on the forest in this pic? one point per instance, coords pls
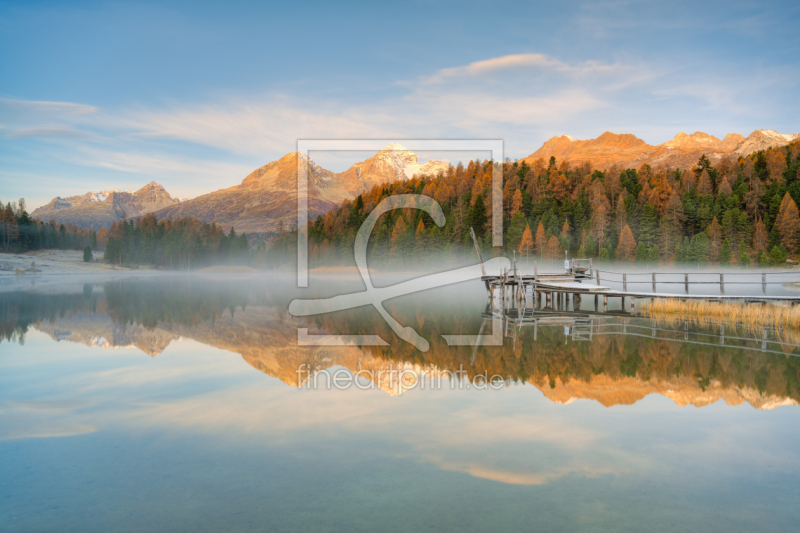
(741, 212)
(180, 244)
(20, 233)
(734, 212)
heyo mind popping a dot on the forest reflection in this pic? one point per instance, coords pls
(614, 359)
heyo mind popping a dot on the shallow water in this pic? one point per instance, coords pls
(185, 404)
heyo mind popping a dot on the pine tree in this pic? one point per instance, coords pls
(744, 257)
(87, 254)
(626, 250)
(725, 253)
(477, 216)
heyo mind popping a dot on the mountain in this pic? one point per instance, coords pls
(96, 210)
(682, 151)
(268, 195)
(393, 163)
(602, 152)
(265, 197)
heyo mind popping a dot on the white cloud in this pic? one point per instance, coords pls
(523, 61)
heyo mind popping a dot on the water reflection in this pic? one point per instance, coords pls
(612, 359)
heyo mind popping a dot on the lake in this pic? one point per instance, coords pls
(187, 403)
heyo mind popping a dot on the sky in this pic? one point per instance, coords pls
(196, 95)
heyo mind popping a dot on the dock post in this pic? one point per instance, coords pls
(547, 298)
(622, 304)
(625, 282)
(596, 302)
(763, 283)
(633, 305)
(597, 273)
(576, 302)
(722, 283)
(654, 282)
(535, 271)
(686, 282)
(605, 304)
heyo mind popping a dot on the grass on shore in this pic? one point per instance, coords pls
(704, 312)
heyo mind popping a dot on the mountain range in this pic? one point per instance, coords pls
(96, 210)
(682, 151)
(268, 195)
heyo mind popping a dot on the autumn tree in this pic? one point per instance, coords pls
(541, 240)
(626, 250)
(621, 215)
(553, 250)
(760, 237)
(776, 165)
(516, 202)
(527, 244)
(714, 233)
(704, 186)
(788, 223)
(398, 233)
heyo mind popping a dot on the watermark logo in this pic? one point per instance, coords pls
(397, 379)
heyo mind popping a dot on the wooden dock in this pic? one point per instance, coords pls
(554, 291)
(580, 278)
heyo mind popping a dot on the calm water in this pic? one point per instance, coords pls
(176, 404)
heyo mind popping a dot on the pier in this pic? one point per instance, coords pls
(580, 279)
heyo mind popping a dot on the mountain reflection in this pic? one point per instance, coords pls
(613, 360)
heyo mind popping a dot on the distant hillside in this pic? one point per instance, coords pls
(683, 151)
(96, 210)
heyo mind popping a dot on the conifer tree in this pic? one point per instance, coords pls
(725, 253)
(743, 257)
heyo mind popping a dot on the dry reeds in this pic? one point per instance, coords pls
(782, 321)
(704, 312)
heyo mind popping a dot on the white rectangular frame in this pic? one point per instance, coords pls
(304, 146)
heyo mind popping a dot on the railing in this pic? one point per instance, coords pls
(584, 328)
(761, 278)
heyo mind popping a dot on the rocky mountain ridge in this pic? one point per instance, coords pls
(96, 210)
(682, 151)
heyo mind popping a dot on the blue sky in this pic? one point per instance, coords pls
(98, 95)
